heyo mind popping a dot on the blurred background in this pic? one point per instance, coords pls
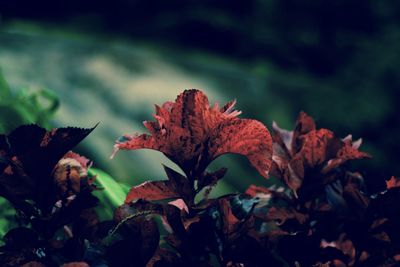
(109, 62)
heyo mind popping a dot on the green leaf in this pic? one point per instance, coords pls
(24, 107)
(5, 92)
(112, 195)
(7, 217)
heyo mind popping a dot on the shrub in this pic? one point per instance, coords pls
(318, 214)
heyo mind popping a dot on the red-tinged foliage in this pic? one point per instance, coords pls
(49, 187)
(329, 202)
(192, 133)
(155, 190)
(318, 213)
(36, 165)
(254, 190)
(307, 149)
(393, 182)
(177, 186)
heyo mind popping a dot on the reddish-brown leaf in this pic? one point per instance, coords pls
(304, 124)
(230, 221)
(249, 138)
(154, 190)
(192, 134)
(357, 201)
(294, 173)
(393, 182)
(307, 148)
(281, 215)
(180, 130)
(254, 190)
(178, 183)
(83, 161)
(283, 138)
(346, 150)
(314, 146)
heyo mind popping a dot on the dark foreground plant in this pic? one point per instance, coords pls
(317, 214)
(192, 134)
(49, 188)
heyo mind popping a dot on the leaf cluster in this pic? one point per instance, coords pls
(320, 214)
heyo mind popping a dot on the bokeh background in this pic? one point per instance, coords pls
(110, 61)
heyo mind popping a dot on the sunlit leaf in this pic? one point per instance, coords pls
(112, 195)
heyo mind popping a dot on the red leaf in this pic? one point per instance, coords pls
(393, 182)
(249, 138)
(347, 151)
(192, 134)
(230, 221)
(294, 174)
(254, 190)
(154, 190)
(281, 215)
(307, 148)
(283, 138)
(178, 183)
(83, 161)
(304, 124)
(314, 146)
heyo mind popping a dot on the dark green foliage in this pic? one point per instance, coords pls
(17, 108)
